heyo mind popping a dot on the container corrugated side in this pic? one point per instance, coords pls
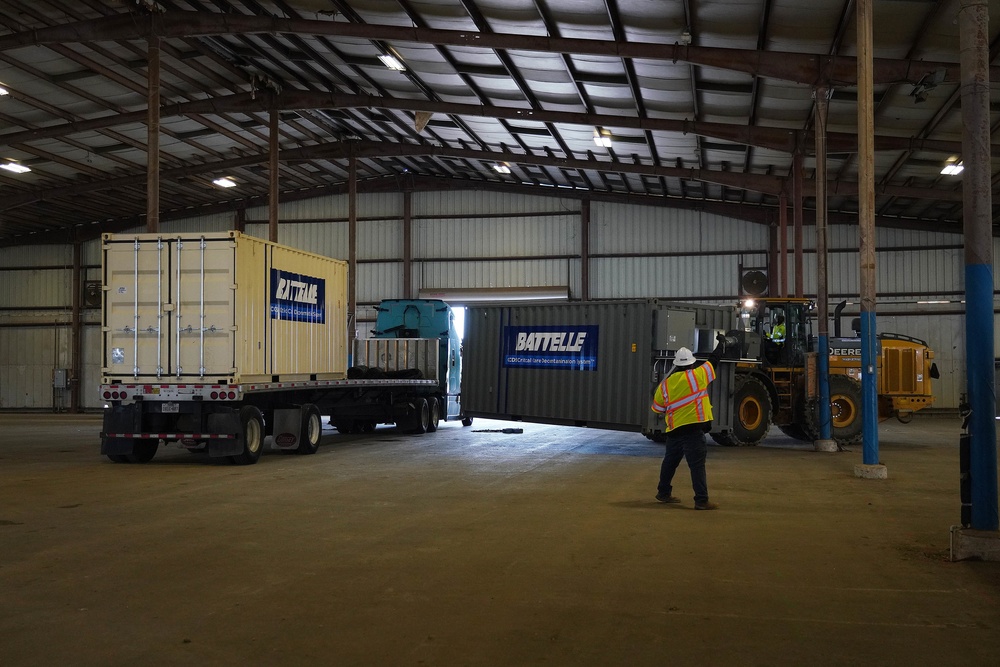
(609, 385)
(220, 307)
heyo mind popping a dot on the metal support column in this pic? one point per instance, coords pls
(797, 220)
(407, 244)
(585, 249)
(272, 161)
(153, 135)
(352, 246)
(76, 331)
(870, 468)
(783, 245)
(822, 290)
(973, 20)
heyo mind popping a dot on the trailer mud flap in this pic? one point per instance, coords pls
(228, 423)
(120, 419)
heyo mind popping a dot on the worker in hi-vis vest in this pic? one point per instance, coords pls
(682, 399)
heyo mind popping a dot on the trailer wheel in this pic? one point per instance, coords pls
(421, 416)
(435, 417)
(466, 421)
(119, 458)
(143, 451)
(753, 413)
(252, 433)
(310, 430)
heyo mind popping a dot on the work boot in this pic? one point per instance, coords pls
(667, 499)
(706, 506)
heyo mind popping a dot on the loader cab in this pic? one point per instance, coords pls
(784, 328)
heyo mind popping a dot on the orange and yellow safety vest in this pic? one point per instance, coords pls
(683, 397)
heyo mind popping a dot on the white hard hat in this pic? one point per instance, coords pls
(683, 358)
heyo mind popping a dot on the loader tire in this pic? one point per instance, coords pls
(846, 425)
(724, 439)
(752, 413)
(796, 432)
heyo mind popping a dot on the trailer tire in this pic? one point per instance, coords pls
(366, 426)
(310, 430)
(435, 414)
(119, 458)
(466, 421)
(752, 413)
(421, 416)
(143, 451)
(252, 435)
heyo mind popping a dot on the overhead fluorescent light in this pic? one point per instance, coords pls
(501, 168)
(4, 91)
(392, 62)
(952, 169)
(602, 137)
(15, 167)
(225, 182)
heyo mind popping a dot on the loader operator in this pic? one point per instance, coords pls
(777, 334)
(682, 397)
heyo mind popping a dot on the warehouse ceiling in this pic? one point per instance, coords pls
(700, 104)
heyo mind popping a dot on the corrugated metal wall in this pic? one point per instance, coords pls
(468, 239)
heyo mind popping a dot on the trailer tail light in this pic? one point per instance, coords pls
(214, 395)
(232, 395)
(107, 395)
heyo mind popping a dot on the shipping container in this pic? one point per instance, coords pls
(591, 364)
(221, 307)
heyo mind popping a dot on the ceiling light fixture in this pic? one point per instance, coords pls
(602, 137)
(4, 91)
(225, 182)
(15, 167)
(952, 169)
(501, 168)
(392, 62)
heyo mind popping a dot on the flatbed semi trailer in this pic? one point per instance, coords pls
(212, 342)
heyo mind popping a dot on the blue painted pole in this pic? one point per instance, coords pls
(869, 387)
(823, 371)
(977, 214)
(982, 395)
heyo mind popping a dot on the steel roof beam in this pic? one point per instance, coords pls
(772, 185)
(805, 68)
(773, 138)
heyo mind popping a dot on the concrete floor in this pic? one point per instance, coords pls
(465, 548)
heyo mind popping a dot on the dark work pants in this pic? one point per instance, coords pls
(688, 444)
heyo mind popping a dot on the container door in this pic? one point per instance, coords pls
(136, 290)
(203, 303)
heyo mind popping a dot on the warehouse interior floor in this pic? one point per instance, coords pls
(466, 547)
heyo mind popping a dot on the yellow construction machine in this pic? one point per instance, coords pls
(776, 377)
